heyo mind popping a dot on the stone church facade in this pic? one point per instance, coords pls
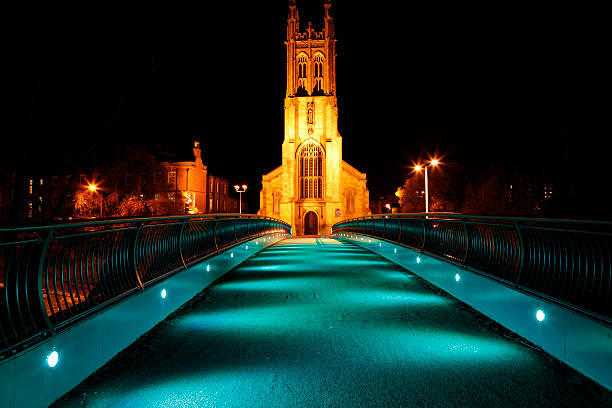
(313, 188)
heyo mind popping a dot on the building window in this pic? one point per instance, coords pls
(156, 178)
(276, 199)
(68, 178)
(349, 205)
(302, 66)
(171, 196)
(68, 201)
(54, 180)
(30, 186)
(82, 179)
(311, 171)
(172, 177)
(318, 73)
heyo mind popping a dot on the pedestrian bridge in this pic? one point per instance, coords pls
(231, 311)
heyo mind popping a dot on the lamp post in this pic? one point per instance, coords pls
(240, 191)
(417, 168)
(94, 189)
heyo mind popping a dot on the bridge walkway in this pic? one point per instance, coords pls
(320, 323)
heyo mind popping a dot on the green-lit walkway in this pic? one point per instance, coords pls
(318, 323)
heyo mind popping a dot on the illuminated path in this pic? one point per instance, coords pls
(315, 323)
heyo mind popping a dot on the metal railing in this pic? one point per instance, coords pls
(53, 276)
(566, 261)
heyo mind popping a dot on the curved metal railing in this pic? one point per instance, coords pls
(567, 261)
(53, 276)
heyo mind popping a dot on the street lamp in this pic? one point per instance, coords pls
(418, 168)
(93, 188)
(240, 191)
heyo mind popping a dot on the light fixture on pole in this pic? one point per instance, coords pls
(94, 189)
(240, 191)
(418, 168)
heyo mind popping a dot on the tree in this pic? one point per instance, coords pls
(132, 206)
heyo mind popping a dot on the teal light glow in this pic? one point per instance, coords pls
(540, 315)
(395, 250)
(163, 293)
(314, 323)
(232, 255)
(246, 247)
(208, 268)
(418, 259)
(52, 359)
(457, 277)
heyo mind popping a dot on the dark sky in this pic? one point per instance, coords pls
(495, 85)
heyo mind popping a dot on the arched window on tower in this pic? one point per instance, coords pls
(349, 201)
(318, 73)
(310, 171)
(302, 65)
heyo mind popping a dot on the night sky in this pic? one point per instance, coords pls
(496, 85)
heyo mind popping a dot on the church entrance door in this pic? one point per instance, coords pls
(311, 223)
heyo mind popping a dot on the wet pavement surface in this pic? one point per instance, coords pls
(320, 323)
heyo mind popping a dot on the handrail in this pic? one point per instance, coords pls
(566, 261)
(53, 276)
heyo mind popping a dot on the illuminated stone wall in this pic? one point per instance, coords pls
(311, 118)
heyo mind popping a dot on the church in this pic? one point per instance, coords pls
(313, 188)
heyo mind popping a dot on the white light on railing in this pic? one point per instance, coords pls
(52, 359)
(208, 268)
(232, 255)
(540, 315)
(163, 293)
(246, 247)
(418, 259)
(457, 277)
(380, 244)
(395, 250)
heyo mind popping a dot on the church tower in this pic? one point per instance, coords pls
(313, 188)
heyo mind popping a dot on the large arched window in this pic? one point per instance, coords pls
(310, 171)
(318, 73)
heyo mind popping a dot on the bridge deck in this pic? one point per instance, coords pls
(314, 322)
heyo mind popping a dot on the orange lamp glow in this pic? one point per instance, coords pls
(418, 167)
(92, 187)
(434, 162)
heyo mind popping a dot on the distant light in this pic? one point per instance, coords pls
(52, 359)
(540, 315)
(395, 250)
(418, 167)
(207, 268)
(434, 162)
(163, 293)
(380, 244)
(232, 255)
(246, 247)
(457, 277)
(92, 187)
(418, 259)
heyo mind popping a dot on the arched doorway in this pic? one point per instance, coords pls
(311, 223)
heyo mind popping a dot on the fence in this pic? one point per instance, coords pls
(54, 276)
(567, 261)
